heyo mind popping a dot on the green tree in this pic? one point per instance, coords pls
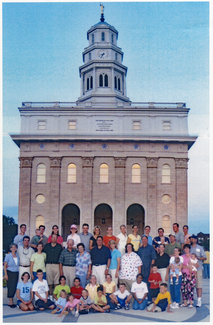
(9, 231)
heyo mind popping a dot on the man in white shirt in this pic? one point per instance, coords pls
(24, 252)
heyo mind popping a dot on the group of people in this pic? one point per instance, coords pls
(100, 273)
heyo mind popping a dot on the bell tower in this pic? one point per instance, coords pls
(103, 76)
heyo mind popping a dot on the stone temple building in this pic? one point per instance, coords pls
(103, 159)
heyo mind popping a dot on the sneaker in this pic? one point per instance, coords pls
(73, 312)
(199, 303)
(176, 282)
(177, 306)
(118, 306)
(107, 311)
(76, 314)
(190, 306)
(171, 282)
(173, 305)
(126, 307)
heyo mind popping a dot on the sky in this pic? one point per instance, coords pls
(166, 50)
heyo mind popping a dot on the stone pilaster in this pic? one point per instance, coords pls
(119, 216)
(181, 165)
(87, 191)
(55, 178)
(24, 211)
(151, 216)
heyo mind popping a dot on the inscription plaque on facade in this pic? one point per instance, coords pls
(104, 125)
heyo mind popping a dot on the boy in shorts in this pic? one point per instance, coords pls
(121, 297)
(154, 280)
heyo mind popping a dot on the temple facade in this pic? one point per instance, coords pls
(103, 159)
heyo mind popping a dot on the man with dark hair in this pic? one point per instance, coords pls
(148, 256)
(178, 235)
(85, 236)
(53, 251)
(24, 252)
(158, 240)
(18, 239)
(169, 249)
(43, 238)
(101, 258)
(162, 262)
(186, 235)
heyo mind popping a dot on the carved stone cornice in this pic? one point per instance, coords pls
(87, 161)
(120, 162)
(152, 162)
(181, 163)
(55, 162)
(25, 162)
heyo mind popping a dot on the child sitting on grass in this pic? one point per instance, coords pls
(61, 303)
(85, 302)
(100, 302)
(121, 297)
(163, 300)
(72, 305)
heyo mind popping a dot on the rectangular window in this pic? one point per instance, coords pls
(166, 125)
(72, 125)
(103, 36)
(136, 125)
(41, 125)
(92, 38)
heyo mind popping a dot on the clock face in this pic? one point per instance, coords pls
(103, 54)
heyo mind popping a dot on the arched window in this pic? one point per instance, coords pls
(39, 221)
(115, 82)
(112, 38)
(103, 36)
(91, 82)
(136, 173)
(106, 80)
(89, 56)
(87, 83)
(41, 173)
(116, 56)
(119, 84)
(101, 80)
(166, 174)
(166, 225)
(104, 173)
(93, 38)
(71, 173)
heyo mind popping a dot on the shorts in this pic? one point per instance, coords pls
(122, 301)
(52, 273)
(154, 292)
(19, 302)
(199, 279)
(41, 304)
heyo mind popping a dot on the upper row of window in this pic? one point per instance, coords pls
(104, 173)
(103, 38)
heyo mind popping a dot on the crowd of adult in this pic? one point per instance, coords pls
(108, 271)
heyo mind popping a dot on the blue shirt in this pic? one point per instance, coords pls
(11, 263)
(147, 254)
(25, 288)
(149, 240)
(100, 256)
(82, 263)
(114, 255)
(85, 239)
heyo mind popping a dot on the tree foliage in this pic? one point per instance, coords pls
(9, 231)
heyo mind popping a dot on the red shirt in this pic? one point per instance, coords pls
(59, 239)
(77, 291)
(156, 277)
(106, 240)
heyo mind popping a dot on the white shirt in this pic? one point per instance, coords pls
(172, 259)
(41, 287)
(76, 238)
(140, 289)
(122, 243)
(121, 295)
(25, 255)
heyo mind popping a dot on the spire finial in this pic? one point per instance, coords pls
(102, 12)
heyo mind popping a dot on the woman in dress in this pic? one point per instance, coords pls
(73, 235)
(37, 262)
(134, 238)
(11, 268)
(96, 233)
